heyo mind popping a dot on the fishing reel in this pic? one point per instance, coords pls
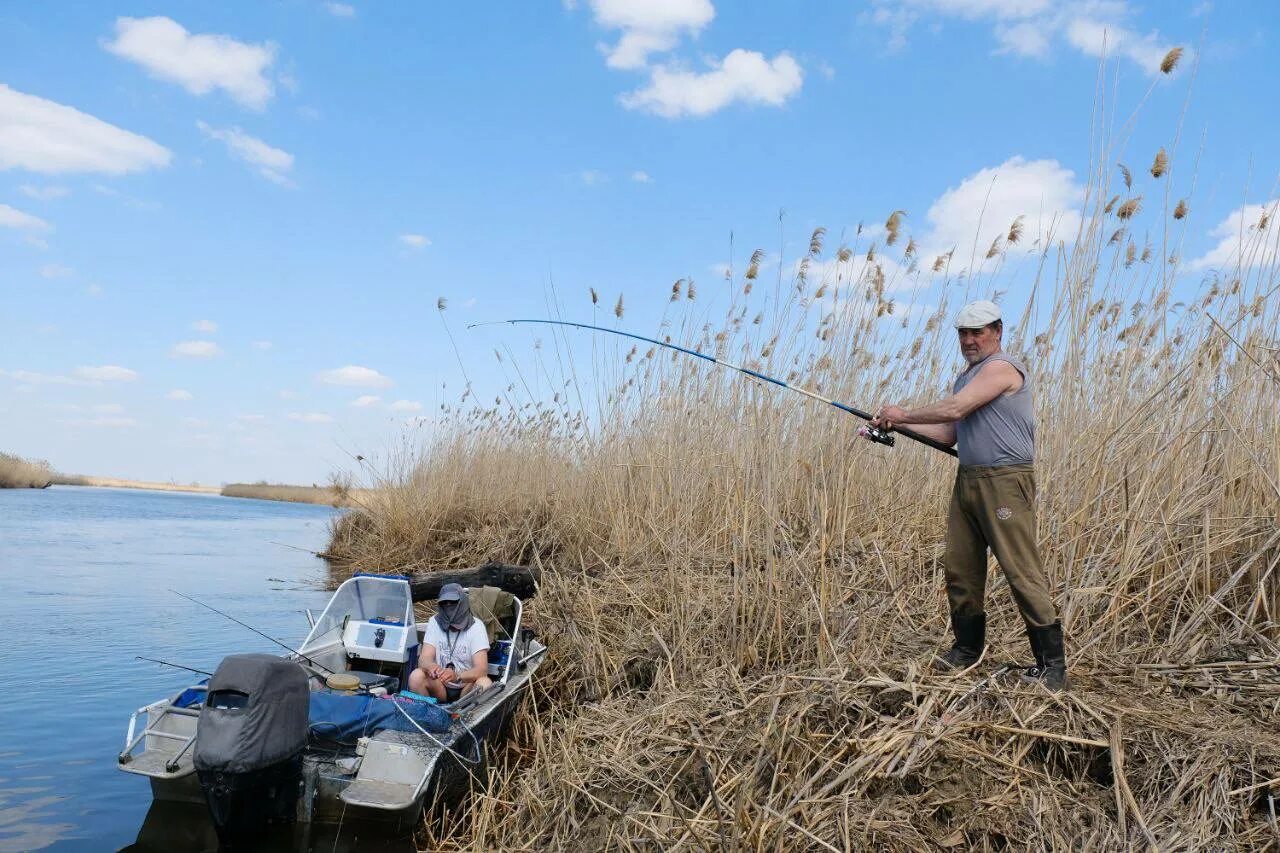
(883, 436)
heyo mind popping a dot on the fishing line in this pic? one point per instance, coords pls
(881, 436)
(256, 631)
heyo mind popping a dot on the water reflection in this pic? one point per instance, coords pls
(170, 827)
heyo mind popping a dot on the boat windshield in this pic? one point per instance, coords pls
(380, 600)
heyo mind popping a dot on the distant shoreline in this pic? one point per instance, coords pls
(117, 483)
(320, 495)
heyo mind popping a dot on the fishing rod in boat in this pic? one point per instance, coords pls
(883, 436)
(174, 665)
(256, 631)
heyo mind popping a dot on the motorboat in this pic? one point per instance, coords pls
(329, 732)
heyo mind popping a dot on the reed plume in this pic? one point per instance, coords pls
(891, 226)
(1181, 210)
(1161, 164)
(1170, 60)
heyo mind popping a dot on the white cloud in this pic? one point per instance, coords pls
(272, 163)
(179, 395)
(406, 406)
(365, 400)
(48, 193)
(744, 76)
(207, 326)
(311, 417)
(107, 373)
(12, 218)
(1031, 28)
(985, 204)
(415, 241)
(591, 177)
(1099, 38)
(648, 26)
(261, 345)
(340, 10)
(1238, 236)
(47, 137)
(199, 63)
(94, 289)
(641, 177)
(56, 271)
(195, 349)
(354, 376)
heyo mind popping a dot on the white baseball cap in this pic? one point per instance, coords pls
(975, 315)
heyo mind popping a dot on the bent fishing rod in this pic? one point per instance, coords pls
(256, 631)
(882, 436)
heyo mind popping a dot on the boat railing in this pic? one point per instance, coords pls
(151, 729)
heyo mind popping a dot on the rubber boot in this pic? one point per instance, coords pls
(971, 638)
(1050, 668)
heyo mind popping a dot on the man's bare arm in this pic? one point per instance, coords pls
(938, 419)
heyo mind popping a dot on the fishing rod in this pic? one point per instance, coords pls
(883, 436)
(174, 665)
(256, 631)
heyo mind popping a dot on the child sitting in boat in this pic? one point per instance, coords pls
(455, 649)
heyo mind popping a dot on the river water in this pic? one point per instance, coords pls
(85, 585)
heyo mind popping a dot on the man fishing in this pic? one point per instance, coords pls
(989, 419)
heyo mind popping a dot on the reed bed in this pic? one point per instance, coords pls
(742, 600)
(19, 473)
(335, 495)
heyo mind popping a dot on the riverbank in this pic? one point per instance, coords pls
(19, 473)
(743, 601)
(335, 496)
(120, 483)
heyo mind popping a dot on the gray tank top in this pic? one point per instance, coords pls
(1003, 432)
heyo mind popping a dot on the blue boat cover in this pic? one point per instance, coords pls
(344, 718)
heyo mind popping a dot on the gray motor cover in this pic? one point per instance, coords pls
(271, 727)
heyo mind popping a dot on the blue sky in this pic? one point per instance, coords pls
(221, 225)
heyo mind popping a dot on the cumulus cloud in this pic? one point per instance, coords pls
(984, 205)
(50, 138)
(311, 417)
(591, 177)
(1240, 239)
(354, 376)
(198, 63)
(1031, 28)
(641, 177)
(106, 373)
(415, 241)
(744, 76)
(365, 400)
(206, 326)
(179, 395)
(648, 26)
(406, 406)
(271, 163)
(195, 349)
(48, 193)
(13, 218)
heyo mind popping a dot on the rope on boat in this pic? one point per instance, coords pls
(443, 746)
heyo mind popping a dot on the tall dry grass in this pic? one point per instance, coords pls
(742, 601)
(19, 473)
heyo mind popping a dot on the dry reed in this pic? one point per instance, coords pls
(19, 473)
(742, 600)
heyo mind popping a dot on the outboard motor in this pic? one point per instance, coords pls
(249, 743)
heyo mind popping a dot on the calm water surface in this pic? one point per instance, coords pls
(85, 580)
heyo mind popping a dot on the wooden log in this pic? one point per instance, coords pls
(520, 581)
